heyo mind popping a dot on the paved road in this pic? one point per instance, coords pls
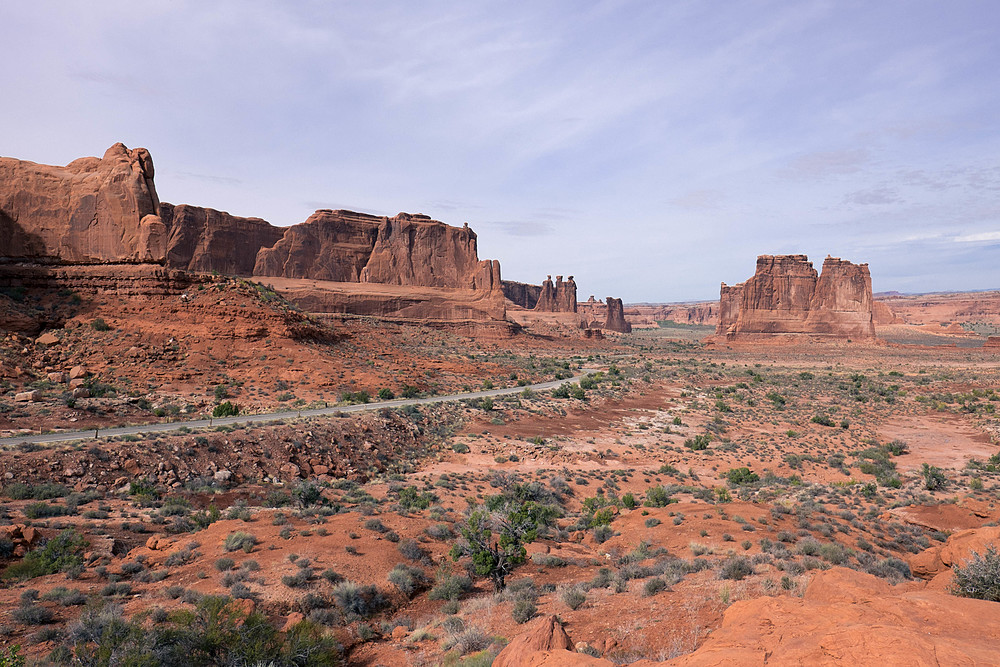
(67, 436)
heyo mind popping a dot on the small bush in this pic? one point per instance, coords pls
(979, 577)
(736, 568)
(654, 586)
(450, 587)
(59, 554)
(573, 597)
(239, 540)
(523, 611)
(357, 601)
(32, 614)
(408, 579)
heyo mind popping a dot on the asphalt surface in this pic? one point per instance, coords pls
(194, 424)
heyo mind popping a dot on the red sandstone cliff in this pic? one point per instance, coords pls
(524, 295)
(329, 245)
(786, 296)
(92, 210)
(206, 240)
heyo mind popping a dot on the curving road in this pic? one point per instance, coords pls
(68, 436)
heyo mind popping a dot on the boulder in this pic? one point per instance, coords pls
(92, 210)
(56, 378)
(78, 372)
(81, 392)
(28, 396)
(47, 338)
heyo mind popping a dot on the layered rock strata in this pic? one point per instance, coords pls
(787, 296)
(206, 240)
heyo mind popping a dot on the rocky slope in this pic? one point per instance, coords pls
(787, 296)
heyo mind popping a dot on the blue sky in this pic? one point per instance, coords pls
(652, 149)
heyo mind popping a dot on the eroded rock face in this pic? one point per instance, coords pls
(524, 295)
(415, 250)
(787, 296)
(92, 210)
(615, 318)
(329, 245)
(557, 298)
(206, 240)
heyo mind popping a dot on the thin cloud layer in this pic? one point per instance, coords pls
(650, 149)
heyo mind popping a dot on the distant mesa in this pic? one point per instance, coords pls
(787, 296)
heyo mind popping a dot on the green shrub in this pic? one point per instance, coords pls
(698, 442)
(408, 579)
(225, 409)
(657, 496)
(822, 420)
(736, 568)
(741, 476)
(934, 478)
(523, 611)
(99, 324)
(59, 554)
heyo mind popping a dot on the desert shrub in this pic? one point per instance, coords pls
(32, 614)
(408, 579)
(43, 510)
(603, 533)
(410, 549)
(654, 586)
(224, 564)
(239, 540)
(741, 476)
(657, 496)
(473, 639)
(409, 498)
(450, 586)
(934, 478)
(736, 568)
(523, 611)
(439, 531)
(698, 442)
(98, 324)
(979, 577)
(119, 589)
(59, 554)
(357, 601)
(652, 522)
(822, 420)
(573, 597)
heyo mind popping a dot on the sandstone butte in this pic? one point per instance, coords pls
(844, 617)
(106, 210)
(787, 296)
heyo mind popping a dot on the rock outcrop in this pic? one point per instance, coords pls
(992, 342)
(786, 296)
(615, 318)
(521, 294)
(545, 644)
(206, 240)
(329, 245)
(93, 210)
(730, 297)
(557, 298)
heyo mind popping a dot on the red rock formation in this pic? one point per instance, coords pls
(650, 314)
(992, 342)
(786, 296)
(206, 240)
(729, 307)
(615, 318)
(522, 294)
(842, 303)
(883, 315)
(415, 250)
(329, 245)
(91, 210)
(545, 644)
(558, 298)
